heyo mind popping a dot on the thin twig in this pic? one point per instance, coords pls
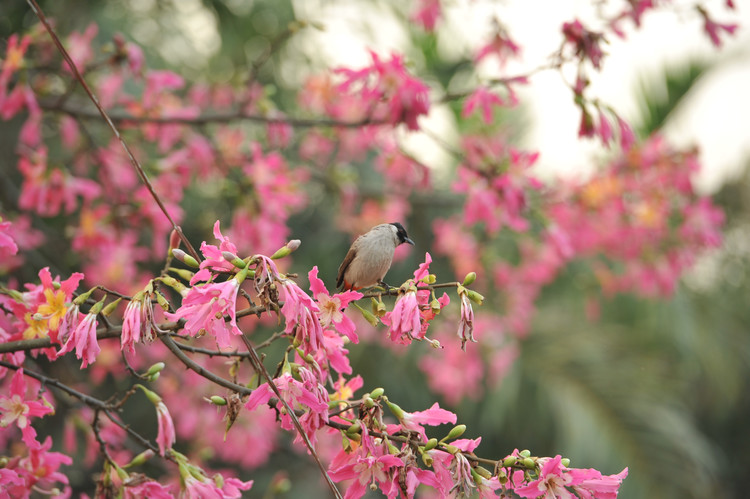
(258, 365)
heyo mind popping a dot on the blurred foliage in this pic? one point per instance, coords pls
(659, 386)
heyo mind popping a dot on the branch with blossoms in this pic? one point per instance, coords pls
(638, 221)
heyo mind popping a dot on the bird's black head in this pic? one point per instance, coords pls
(403, 237)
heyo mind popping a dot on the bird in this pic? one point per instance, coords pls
(370, 256)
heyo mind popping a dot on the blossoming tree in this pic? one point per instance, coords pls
(228, 347)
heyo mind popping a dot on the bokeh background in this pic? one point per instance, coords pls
(660, 386)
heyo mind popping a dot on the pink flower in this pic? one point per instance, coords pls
(501, 46)
(556, 480)
(713, 29)
(369, 464)
(83, 338)
(414, 421)
(591, 484)
(148, 488)
(481, 99)
(138, 322)
(165, 437)
(332, 307)
(204, 307)
(405, 97)
(16, 409)
(8, 246)
(307, 395)
(208, 488)
(466, 326)
(427, 14)
(302, 316)
(404, 320)
(584, 42)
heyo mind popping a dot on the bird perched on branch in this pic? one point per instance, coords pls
(370, 256)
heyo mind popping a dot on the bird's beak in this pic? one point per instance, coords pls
(407, 240)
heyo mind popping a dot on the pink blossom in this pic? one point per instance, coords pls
(39, 470)
(80, 47)
(209, 489)
(556, 480)
(427, 14)
(466, 326)
(165, 437)
(138, 322)
(714, 29)
(332, 307)
(204, 307)
(405, 97)
(83, 338)
(302, 316)
(369, 464)
(433, 416)
(147, 488)
(8, 246)
(481, 99)
(584, 42)
(404, 321)
(16, 409)
(500, 45)
(307, 395)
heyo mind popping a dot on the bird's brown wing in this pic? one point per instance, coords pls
(345, 265)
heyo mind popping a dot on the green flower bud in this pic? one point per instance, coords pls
(474, 296)
(356, 427)
(185, 258)
(174, 283)
(529, 463)
(470, 278)
(140, 459)
(525, 453)
(377, 392)
(431, 444)
(456, 432)
(81, 299)
(509, 461)
(395, 409)
(565, 462)
(369, 317)
(159, 366)
(153, 377)
(162, 300)
(234, 259)
(483, 472)
(369, 402)
(152, 396)
(217, 400)
(184, 274)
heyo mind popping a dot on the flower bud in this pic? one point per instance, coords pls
(529, 463)
(456, 432)
(153, 377)
(173, 283)
(162, 300)
(509, 461)
(152, 396)
(483, 472)
(469, 279)
(368, 401)
(525, 453)
(474, 296)
(377, 392)
(395, 409)
(81, 299)
(369, 317)
(140, 459)
(427, 459)
(217, 400)
(565, 462)
(287, 249)
(234, 259)
(174, 240)
(431, 444)
(185, 258)
(354, 428)
(155, 368)
(106, 311)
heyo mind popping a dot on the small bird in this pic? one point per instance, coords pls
(370, 256)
